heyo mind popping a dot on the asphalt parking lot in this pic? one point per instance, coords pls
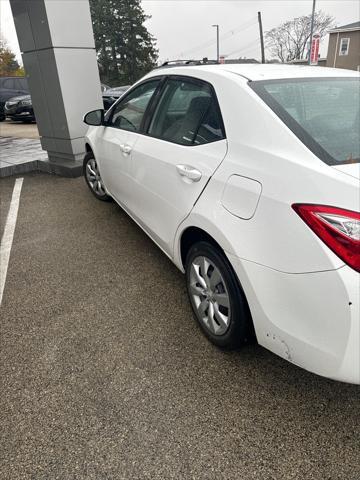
(8, 128)
(105, 375)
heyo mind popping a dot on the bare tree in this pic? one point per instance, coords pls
(289, 41)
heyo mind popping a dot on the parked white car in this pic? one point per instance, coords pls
(247, 177)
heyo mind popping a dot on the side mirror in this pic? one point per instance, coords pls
(95, 117)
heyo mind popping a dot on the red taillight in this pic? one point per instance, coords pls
(338, 228)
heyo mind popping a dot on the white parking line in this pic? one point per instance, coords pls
(8, 235)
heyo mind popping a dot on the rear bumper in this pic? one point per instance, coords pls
(311, 319)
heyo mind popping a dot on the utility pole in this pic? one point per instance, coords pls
(311, 31)
(261, 38)
(217, 43)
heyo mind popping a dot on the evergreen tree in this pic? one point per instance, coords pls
(125, 49)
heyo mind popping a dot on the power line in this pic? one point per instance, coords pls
(225, 36)
(234, 31)
(244, 48)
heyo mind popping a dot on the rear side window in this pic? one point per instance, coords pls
(210, 129)
(323, 113)
(187, 114)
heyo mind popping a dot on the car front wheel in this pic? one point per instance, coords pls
(217, 300)
(93, 178)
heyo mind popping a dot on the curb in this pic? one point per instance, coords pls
(63, 169)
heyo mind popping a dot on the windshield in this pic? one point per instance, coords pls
(22, 82)
(322, 112)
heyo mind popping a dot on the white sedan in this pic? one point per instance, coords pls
(247, 177)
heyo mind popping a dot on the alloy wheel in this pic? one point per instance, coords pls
(94, 179)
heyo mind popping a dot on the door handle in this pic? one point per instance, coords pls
(189, 172)
(126, 149)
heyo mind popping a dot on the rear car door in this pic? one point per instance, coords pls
(116, 140)
(182, 146)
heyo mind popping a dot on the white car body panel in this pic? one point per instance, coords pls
(160, 198)
(114, 163)
(303, 299)
(352, 169)
(322, 334)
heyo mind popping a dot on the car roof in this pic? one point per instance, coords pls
(255, 72)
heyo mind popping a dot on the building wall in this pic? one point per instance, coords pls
(352, 59)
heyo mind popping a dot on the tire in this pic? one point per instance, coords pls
(2, 118)
(93, 179)
(211, 287)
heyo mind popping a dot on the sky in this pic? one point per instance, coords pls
(183, 28)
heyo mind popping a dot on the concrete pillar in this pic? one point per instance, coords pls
(57, 44)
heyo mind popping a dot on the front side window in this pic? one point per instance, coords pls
(128, 114)
(344, 46)
(187, 114)
(323, 113)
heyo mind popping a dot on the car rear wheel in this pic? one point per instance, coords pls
(93, 178)
(217, 300)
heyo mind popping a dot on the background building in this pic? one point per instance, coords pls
(344, 47)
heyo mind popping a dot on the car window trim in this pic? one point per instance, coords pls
(307, 140)
(156, 98)
(197, 81)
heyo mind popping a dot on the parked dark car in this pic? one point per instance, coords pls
(11, 87)
(20, 109)
(112, 94)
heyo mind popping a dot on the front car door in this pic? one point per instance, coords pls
(182, 146)
(117, 139)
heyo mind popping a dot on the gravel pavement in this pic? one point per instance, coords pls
(105, 374)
